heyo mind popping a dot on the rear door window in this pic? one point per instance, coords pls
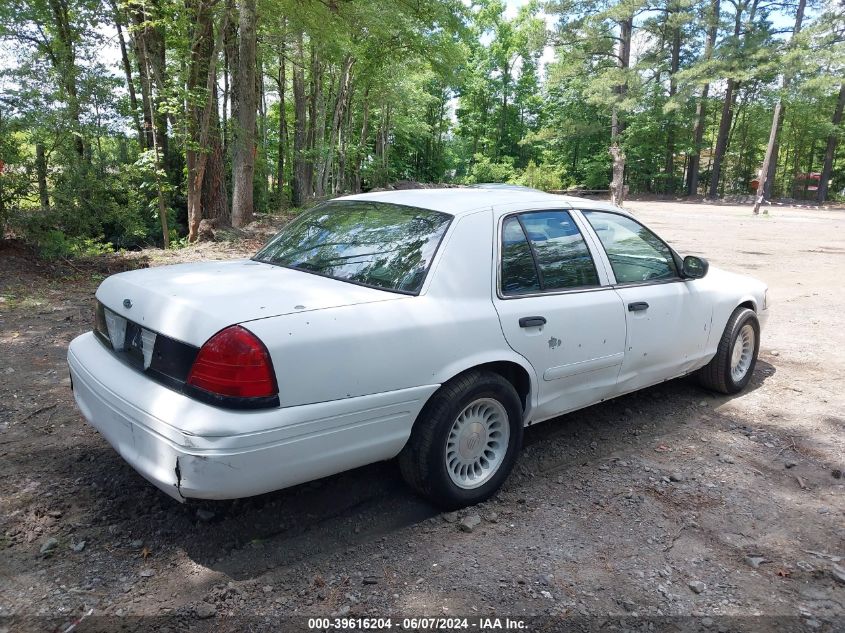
(519, 273)
(544, 251)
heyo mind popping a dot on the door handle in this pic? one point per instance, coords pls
(637, 306)
(532, 321)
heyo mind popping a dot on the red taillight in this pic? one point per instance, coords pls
(234, 363)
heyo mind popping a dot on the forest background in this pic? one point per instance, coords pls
(125, 123)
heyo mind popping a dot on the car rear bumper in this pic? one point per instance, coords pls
(190, 449)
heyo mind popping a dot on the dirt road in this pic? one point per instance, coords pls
(669, 502)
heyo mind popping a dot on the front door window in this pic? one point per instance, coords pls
(635, 253)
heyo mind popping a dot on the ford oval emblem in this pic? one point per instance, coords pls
(127, 303)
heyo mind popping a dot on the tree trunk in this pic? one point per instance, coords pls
(701, 107)
(300, 188)
(206, 190)
(382, 148)
(325, 165)
(740, 110)
(768, 186)
(385, 154)
(127, 71)
(341, 180)
(157, 165)
(769, 159)
(796, 164)
(2, 196)
(215, 198)
(283, 126)
(698, 137)
(742, 124)
(722, 138)
(146, 99)
(827, 168)
(150, 51)
(363, 142)
(444, 100)
(767, 172)
(617, 183)
(501, 146)
(64, 61)
(261, 166)
(785, 177)
(155, 57)
(243, 141)
(230, 73)
(670, 123)
(41, 172)
(224, 122)
(317, 121)
(617, 126)
(809, 169)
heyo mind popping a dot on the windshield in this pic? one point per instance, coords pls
(377, 244)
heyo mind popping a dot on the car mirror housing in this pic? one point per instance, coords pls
(695, 267)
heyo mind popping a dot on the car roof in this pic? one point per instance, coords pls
(462, 200)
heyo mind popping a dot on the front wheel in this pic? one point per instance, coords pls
(730, 369)
(465, 442)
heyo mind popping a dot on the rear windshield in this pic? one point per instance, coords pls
(376, 244)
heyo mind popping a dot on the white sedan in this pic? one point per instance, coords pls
(432, 325)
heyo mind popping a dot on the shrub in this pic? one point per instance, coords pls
(546, 177)
(483, 170)
(54, 244)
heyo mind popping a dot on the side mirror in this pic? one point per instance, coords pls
(694, 267)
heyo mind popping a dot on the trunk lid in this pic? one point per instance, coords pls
(191, 302)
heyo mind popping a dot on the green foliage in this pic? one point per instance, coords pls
(55, 244)
(594, 172)
(483, 170)
(177, 242)
(16, 179)
(439, 90)
(546, 177)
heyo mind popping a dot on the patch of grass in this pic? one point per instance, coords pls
(22, 298)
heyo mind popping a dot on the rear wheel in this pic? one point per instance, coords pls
(465, 442)
(731, 368)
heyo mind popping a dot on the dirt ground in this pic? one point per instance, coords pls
(668, 502)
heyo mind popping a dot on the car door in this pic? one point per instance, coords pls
(668, 317)
(558, 310)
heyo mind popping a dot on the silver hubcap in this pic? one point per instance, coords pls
(477, 443)
(742, 353)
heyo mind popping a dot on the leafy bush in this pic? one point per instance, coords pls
(16, 177)
(483, 170)
(55, 244)
(596, 172)
(94, 208)
(546, 177)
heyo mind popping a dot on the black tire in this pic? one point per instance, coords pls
(423, 460)
(716, 374)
